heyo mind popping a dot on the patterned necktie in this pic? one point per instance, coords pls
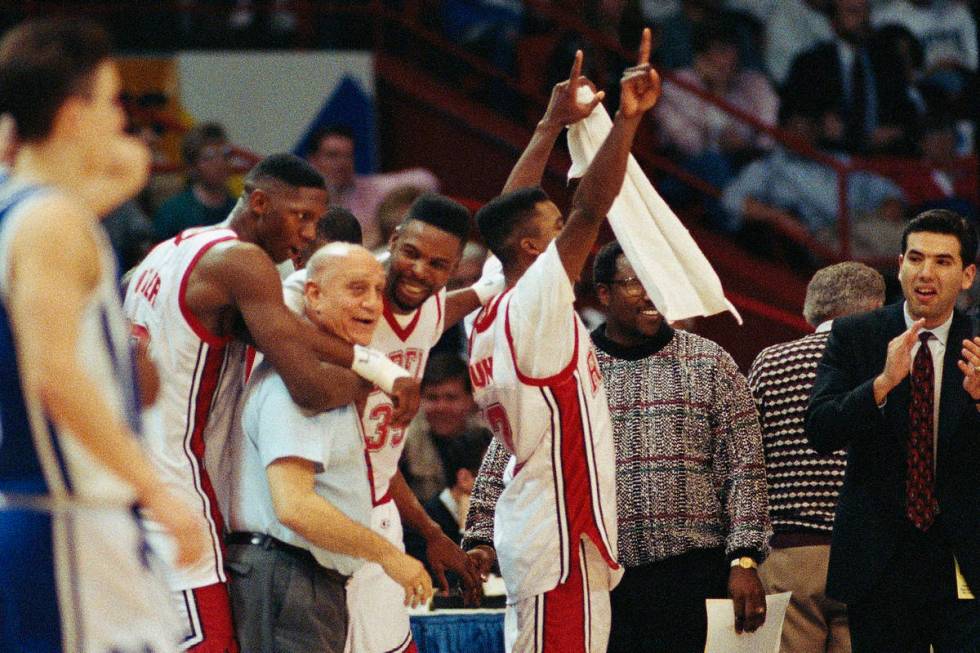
(920, 499)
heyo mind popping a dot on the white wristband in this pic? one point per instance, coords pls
(492, 281)
(489, 287)
(377, 368)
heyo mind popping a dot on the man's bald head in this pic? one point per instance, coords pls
(344, 287)
(330, 257)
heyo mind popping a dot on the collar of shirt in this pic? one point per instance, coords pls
(651, 346)
(824, 326)
(940, 333)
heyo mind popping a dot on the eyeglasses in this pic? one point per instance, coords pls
(632, 287)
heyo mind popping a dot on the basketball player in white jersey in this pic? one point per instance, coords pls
(199, 299)
(75, 571)
(537, 381)
(425, 250)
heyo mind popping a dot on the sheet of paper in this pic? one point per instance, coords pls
(722, 637)
(963, 591)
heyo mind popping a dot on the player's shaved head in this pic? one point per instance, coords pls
(283, 168)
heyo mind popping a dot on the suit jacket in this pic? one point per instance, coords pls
(815, 80)
(870, 516)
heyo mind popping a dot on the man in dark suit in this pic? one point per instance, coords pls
(858, 91)
(899, 388)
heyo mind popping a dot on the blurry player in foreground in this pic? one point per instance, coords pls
(75, 575)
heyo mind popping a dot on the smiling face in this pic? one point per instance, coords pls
(932, 275)
(447, 405)
(287, 217)
(422, 259)
(344, 292)
(631, 317)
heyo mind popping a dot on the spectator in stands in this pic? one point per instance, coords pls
(691, 492)
(206, 199)
(940, 178)
(657, 11)
(860, 93)
(129, 226)
(676, 33)
(711, 142)
(337, 224)
(803, 485)
(332, 153)
(798, 196)
(449, 506)
(446, 425)
(391, 211)
(795, 26)
(131, 233)
(895, 43)
(948, 34)
(489, 28)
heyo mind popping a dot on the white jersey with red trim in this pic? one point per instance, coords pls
(201, 380)
(406, 339)
(537, 381)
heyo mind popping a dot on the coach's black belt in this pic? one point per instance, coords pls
(270, 543)
(267, 542)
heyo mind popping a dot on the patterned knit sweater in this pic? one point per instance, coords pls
(688, 452)
(803, 485)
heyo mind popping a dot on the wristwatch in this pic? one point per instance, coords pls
(745, 562)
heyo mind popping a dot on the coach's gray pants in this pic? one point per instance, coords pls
(283, 601)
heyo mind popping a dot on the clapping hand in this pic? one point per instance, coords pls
(970, 366)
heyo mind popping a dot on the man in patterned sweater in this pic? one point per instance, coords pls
(691, 491)
(803, 485)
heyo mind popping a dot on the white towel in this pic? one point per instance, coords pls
(671, 266)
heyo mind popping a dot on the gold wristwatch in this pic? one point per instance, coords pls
(745, 562)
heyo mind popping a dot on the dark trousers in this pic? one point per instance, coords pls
(659, 607)
(914, 604)
(283, 601)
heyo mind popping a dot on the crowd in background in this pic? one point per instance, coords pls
(880, 87)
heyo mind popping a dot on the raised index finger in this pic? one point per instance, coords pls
(576, 69)
(643, 56)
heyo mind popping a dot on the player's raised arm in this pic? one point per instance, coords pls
(564, 108)
(602, 182)
(315, 366)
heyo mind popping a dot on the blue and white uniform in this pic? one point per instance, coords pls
(76, 580)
